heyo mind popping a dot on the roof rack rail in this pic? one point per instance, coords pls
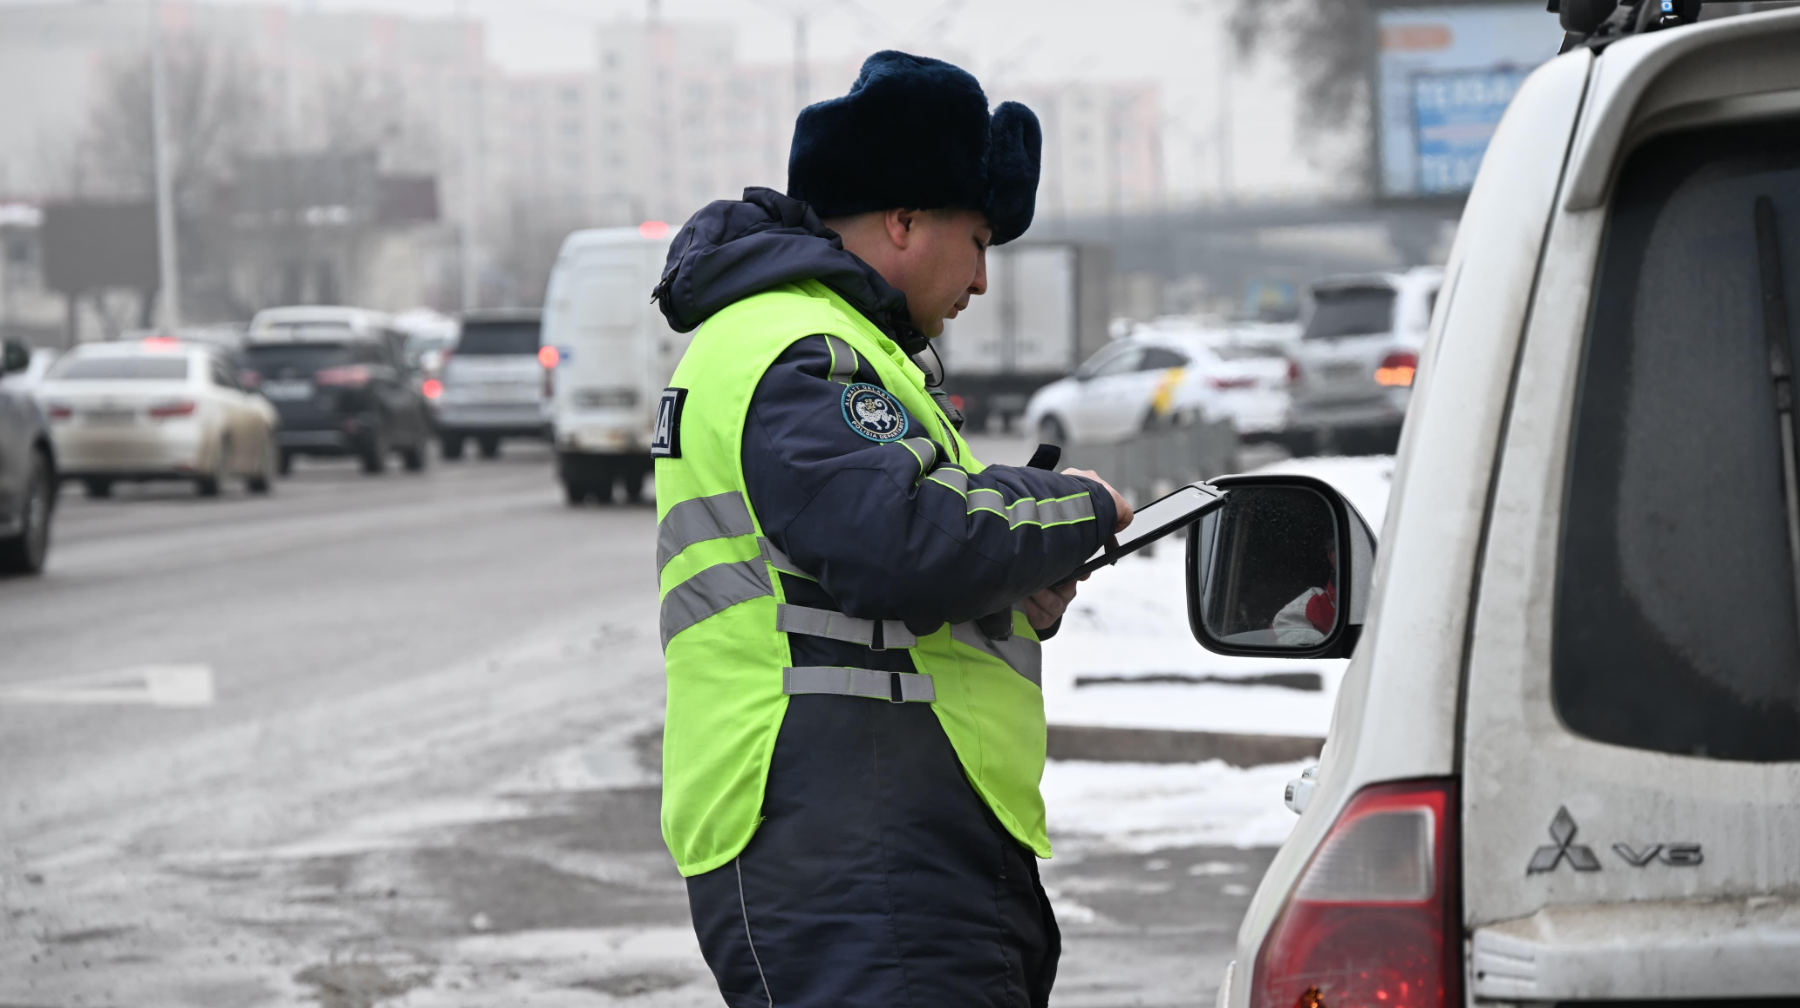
(1598, 23)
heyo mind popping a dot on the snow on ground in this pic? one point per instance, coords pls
(1143, 807)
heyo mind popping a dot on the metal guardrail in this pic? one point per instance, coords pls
(1161, 459)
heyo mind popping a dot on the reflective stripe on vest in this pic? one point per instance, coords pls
(714, 589)
(698, 520)
(895, 687)
(839, 627)
(1021, 654)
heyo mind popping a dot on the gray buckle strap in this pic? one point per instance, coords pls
(779, 560)
(839, 627)
(837, 680)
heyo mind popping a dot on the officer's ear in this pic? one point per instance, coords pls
(899, 224)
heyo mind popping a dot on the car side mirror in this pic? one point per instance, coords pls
(1282, 570)
(15, 357)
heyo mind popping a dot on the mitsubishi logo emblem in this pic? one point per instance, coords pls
(1562, 830)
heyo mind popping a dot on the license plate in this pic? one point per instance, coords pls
(1343, 372)
(497, 394)
(110, 416)
(287, 391)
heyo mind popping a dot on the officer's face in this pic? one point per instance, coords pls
(943, 265)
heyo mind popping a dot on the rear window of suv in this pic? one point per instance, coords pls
(496, 338)
(1675, 626)
(296, 359)
(1350, 311)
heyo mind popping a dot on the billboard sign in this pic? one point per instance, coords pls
(1443, 76)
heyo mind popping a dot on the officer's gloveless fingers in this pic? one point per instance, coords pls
(1043, 609)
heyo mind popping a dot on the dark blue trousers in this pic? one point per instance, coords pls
(877, 878)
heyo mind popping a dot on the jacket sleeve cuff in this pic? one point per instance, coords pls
(1106, 515)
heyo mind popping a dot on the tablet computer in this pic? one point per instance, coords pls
(1155, 520)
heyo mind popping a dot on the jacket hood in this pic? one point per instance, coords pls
(732, 249)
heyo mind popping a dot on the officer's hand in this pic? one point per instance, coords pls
(1048, 606)
(1119, 504)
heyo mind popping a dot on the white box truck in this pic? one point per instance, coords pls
(614, 355)
(1045, 311)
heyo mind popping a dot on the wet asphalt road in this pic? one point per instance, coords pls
(426, 774)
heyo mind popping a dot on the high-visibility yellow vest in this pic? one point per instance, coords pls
(725, 619)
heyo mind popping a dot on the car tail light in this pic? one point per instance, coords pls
(170, 410)
(432, 388)
(1398, 368)
(1231, 383)
(549, 356)
(1293, 371)
(59, 411)
(1374, 921)
(350, 375)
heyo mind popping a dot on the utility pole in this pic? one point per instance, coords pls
(168, 299)
(470, 293)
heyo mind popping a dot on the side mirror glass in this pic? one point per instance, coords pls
(16, 356)
(1282, 570)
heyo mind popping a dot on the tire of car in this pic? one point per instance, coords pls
(25, 553)
(414, 458)
(451, 446)
(576, 494)
(634, 486)
(285, 464)
(1050, 431)
(490, 446)
(97, 488)
(263, 479)
(375, 453)
(208, 485)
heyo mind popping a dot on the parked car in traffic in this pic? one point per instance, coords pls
(1355, 358)
(157, 409)
(1564, 764)
(28, 476)
(495, 380)
(341, 391)
(1161, 376)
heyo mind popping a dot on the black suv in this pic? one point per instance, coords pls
(27, 472)
(341, 393)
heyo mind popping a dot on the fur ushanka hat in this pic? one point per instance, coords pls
(915, 132)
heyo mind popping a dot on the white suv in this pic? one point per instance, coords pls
(1565, 760)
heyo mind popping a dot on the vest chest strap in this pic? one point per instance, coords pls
(895, 687)
(839, 627)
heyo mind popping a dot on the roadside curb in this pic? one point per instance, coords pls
(1162, 745)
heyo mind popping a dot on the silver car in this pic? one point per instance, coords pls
(1354, 360)
(495, 382)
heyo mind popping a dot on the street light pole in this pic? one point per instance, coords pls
(168, 266)
(470, 292)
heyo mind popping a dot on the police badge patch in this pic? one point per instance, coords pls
(873, 412)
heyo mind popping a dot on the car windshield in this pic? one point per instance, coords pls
(1350, 311)
(300, 359)
(496, 338)
(161, 368)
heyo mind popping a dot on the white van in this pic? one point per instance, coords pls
(614, 355)
(1564, 764)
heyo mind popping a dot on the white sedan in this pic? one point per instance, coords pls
(1145, 379)
(157, 409)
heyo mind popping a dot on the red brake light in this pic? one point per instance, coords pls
(1398, 368)
(1293, 371)
(351, 375)
(653, 229)
(1231, 383)
(549, 356)
(167, 410)
(59, 411)
(1374, 921)
(432, 388)
(160, 343)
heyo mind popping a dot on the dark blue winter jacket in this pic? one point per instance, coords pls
(883, 540)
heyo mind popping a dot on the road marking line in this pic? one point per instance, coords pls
(151, 685)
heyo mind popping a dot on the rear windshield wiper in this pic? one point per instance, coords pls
(1781, 372)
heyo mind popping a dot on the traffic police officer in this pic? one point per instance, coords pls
(851, 601)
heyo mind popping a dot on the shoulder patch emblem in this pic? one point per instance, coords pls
(665, 440)
(874, 413)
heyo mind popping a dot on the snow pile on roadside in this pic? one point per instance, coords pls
(1142, 807)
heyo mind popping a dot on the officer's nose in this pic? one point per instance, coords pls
(978, 286)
